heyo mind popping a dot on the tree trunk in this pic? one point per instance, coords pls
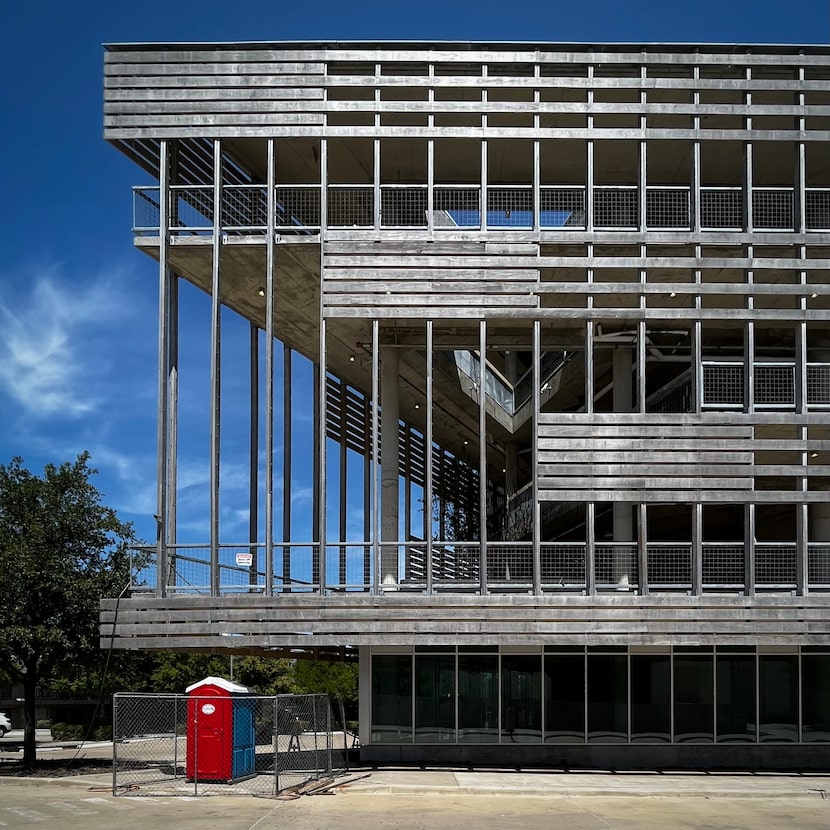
(29, 716)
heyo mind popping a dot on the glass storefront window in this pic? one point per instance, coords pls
(478, 698)
(650, 698)
(565, 698)
(391, 698)
(607, 698)
(735, 712)
(778, 704)
(434, 698)
(521, 698)
(694, 699)
(815, 703)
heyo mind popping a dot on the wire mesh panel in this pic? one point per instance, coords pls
(818, 565)
(510, 563)
(774, 385)
(403, 207)
(202, 744)
(818, 384)
(297, 208)
(721, 208)
(670, 564)
(615, 565)
(244, 208)
(616, 207)
(668, 208)
(146, 209)
(817, 209)
(456, 563)
(241, 569)
(723, 565)
(456, 207)
(562, 207)
(191, 209)
(296, 567)
(723, 385)
(772, 209)
(509, 207)
(349, 566)
(775, 565)
(563, 564)
(188, 570)
(351, 207)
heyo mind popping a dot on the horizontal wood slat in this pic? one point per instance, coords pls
(405, 619)
(424, 285)
(632, 463)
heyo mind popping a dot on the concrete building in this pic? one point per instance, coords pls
(568, 310)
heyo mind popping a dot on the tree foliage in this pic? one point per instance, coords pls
(61, 551)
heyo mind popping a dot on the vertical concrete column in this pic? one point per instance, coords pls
(623, 512)
(389, 472)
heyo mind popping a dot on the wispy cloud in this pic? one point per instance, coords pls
(49, 363)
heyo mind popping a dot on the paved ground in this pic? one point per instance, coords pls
(74, 804)
(435, 799)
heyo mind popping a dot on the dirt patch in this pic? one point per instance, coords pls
(53, 768)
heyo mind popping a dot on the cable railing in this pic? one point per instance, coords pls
(458, 567)
(297, 208)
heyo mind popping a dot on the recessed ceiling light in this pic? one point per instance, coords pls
(417, 406)
(261, 292)
(351, 358)
(813, 455)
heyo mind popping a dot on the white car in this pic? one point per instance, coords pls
(5, 724)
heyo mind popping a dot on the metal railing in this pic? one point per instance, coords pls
(169, 744)
(775, 565)
(351, 206)
(669, 565)
(774, 385)
(773, 208)
(403, 206)
(616, 565)
(817, 208)
(818, 565)
(668, 208)
(615, 207)
(456, 206)
(723, 565)
(457, 567)
(721, 208)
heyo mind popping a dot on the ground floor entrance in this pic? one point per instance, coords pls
(713, 705)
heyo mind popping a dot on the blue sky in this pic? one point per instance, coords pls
(78, 305)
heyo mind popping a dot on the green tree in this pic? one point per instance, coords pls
(328, 677)
(61, 550)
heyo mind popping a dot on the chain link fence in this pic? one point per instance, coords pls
(167, 744)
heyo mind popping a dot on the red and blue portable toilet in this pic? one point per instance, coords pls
(221, 733)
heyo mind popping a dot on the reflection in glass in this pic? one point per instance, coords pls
(434, 698)
(815, 685)
(478, 698)
(521, 698)
(736, 699)
(565, 698)
(607, 698)
(778, 704)
(650, 698)
(693, 699)
(391, 698)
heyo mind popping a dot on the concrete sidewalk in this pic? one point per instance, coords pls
(366, 780)
(549, 783)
